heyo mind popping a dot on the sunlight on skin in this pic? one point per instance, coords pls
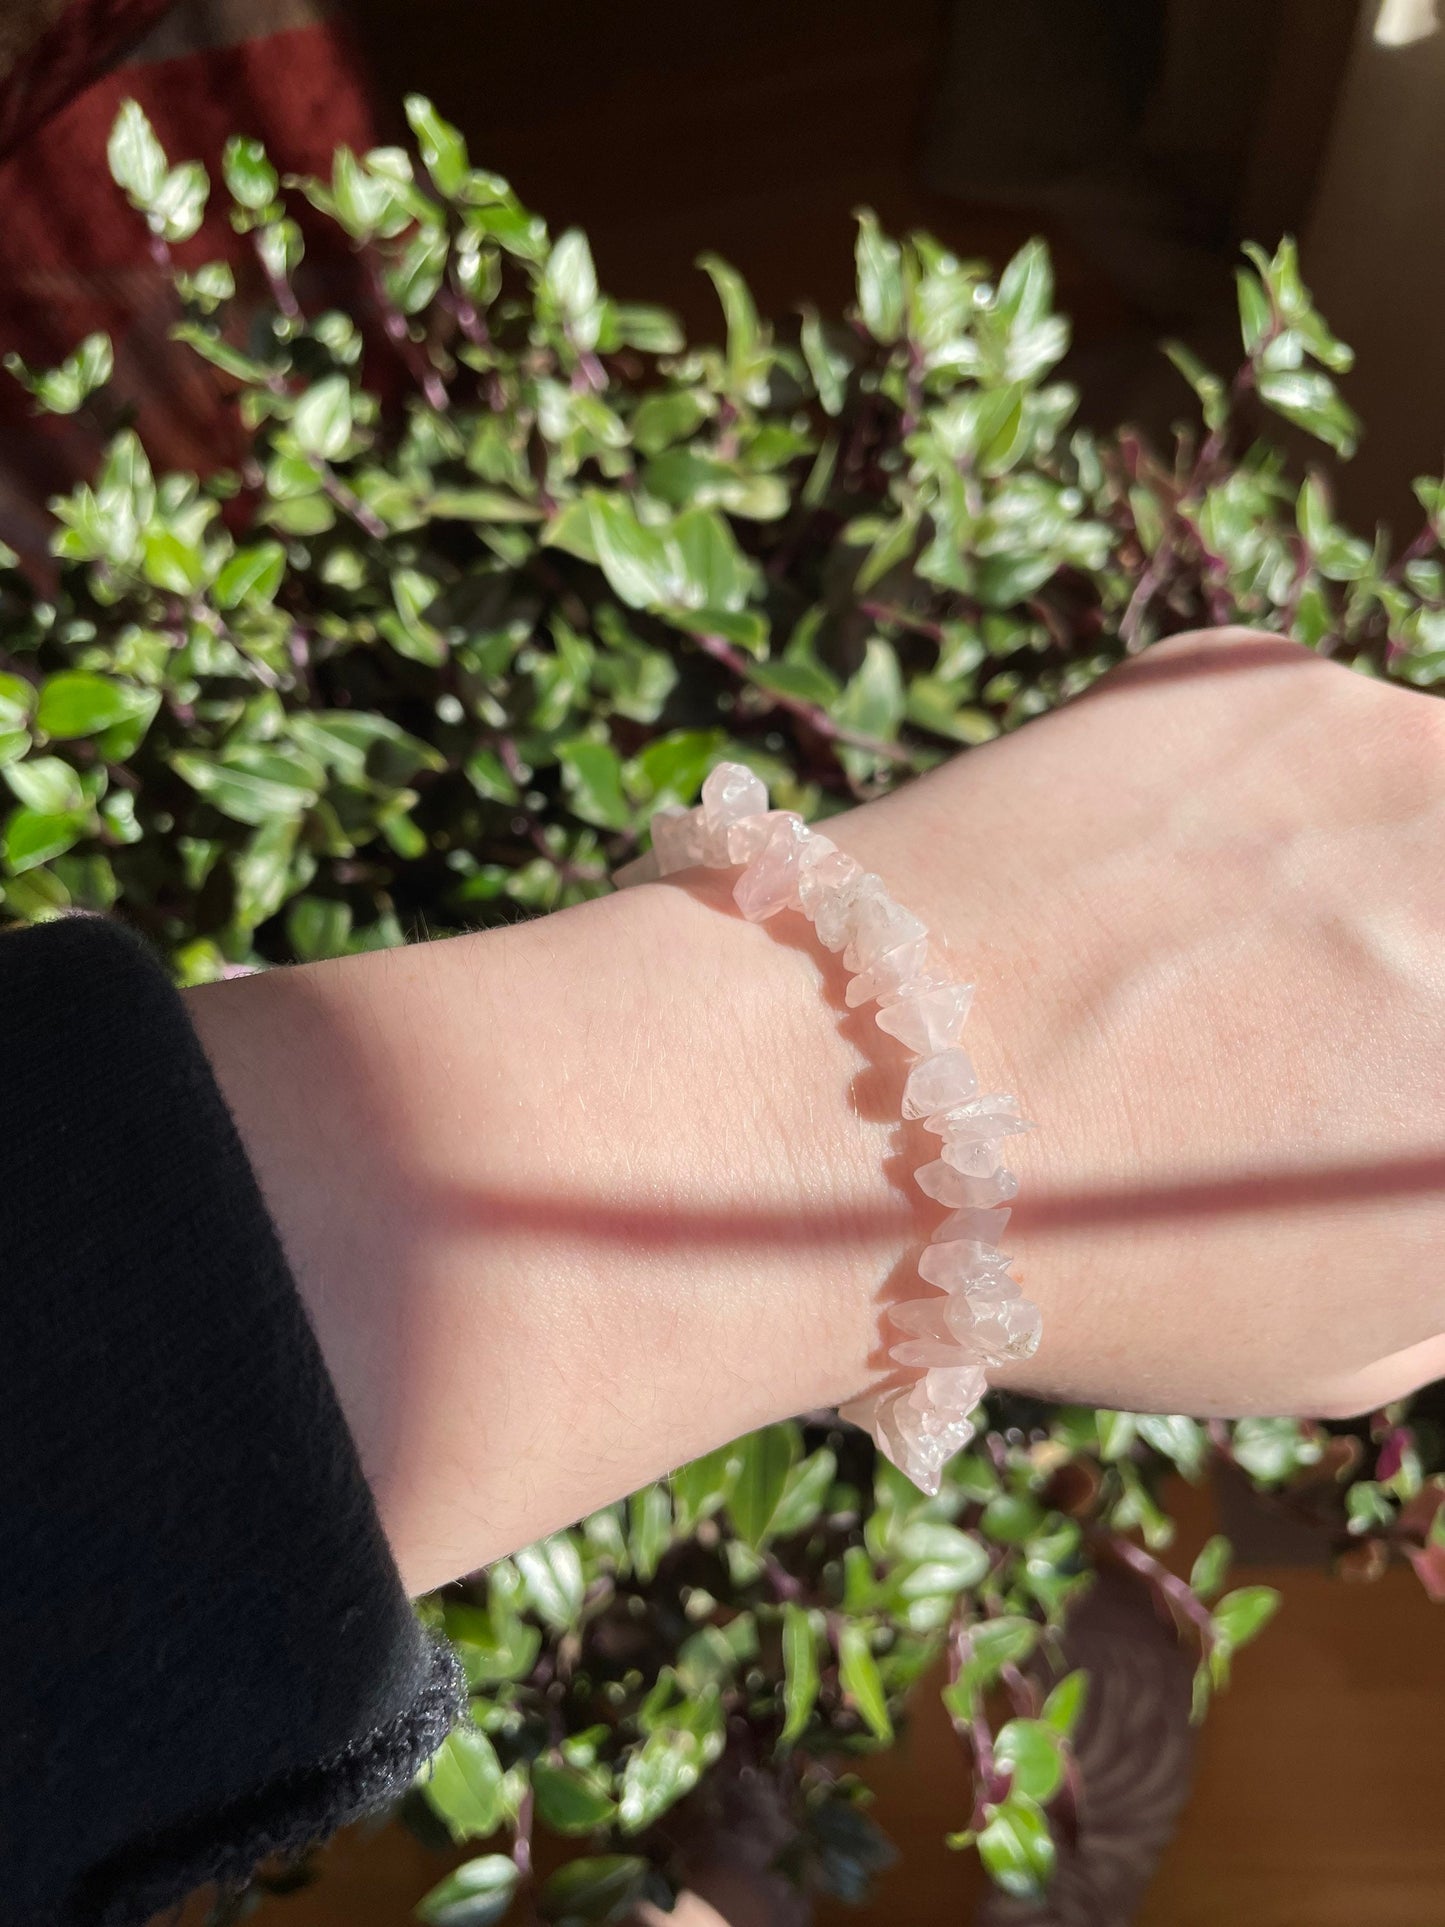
(574, 1201)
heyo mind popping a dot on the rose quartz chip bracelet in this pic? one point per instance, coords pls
(977, 1317)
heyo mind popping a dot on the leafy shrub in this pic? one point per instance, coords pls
(432, 650)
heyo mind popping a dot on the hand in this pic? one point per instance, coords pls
(1205, 907)
(578, 1200)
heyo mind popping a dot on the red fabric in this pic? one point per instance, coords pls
(89, 37)
(75, 257)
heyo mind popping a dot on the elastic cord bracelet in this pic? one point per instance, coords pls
(977, 1317)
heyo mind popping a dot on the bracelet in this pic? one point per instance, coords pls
(977, 1317)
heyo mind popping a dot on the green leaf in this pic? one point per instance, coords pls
(262, 871)
(17, 700)
(939, 1559)
(1311, 400)
(318, 927)
(801, 1676)
(592, 778)
(808, 1486)
(658, 1774)
(703, 1487)
(570, 280)
(1256, 318)
(61, 390)
(249, 783)
(859, 1676)
(1017, 1848)
(250, 178)
(80, 703)
(880, 279)
(1029, 1751)
(46, 784)
(481, 505)
(489, 777)
(322, 421)
(663, 419)
(173, 563)
(599, 1888)
(477, 1894)
(1270, 1450)
(137, 159)
(767, 1458)
(442, 149)
(1182, 1440)
(873, 699)
(253, 574)
(828, 365)
(494, 1643)
(463, 1784)
(713, 572)
(219, 353)
(651, 330)
(1064, 1706)
(895, 544)
(1026, 286)
(1239, 1616)
(177, 211)
(34, 836)
(1208, 1572)
(749, 355)
(552, 1571)
(640, 564)
(571, 1799)
(996, 1643)
(649, 1529)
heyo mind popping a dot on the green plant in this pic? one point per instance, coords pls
(413, 664)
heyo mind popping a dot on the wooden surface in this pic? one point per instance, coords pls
(1319, 1799)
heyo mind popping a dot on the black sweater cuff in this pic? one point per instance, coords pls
(206, 1654)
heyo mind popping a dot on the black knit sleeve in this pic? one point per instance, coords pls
(206, 1655)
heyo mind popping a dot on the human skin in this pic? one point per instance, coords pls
(574, 1201)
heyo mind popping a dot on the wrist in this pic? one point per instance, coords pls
(569, 1203)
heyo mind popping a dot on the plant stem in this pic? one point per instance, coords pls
(398, 333)
(1176, 1592)
(975, 1733)
(817, 718)
(351, 504)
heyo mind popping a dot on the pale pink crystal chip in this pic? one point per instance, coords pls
(825, 894)
(730, 793)
(879, 925)
(927, 1351)
(996, 1320)
(987, 1227)
(835, 919)
(923, 1317)
(938, 1082)
(748, 835)
(677, 840)
(981, 1117)
(940, 1181)
(770, 882)
(927, 1019)
(975, 1157)
(957, 1388)
(894, 967)
(958, 1261)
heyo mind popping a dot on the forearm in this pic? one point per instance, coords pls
(569, 1203)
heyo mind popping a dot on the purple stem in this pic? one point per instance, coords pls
(1174, 1590)
(732, 658)
(351, 504)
